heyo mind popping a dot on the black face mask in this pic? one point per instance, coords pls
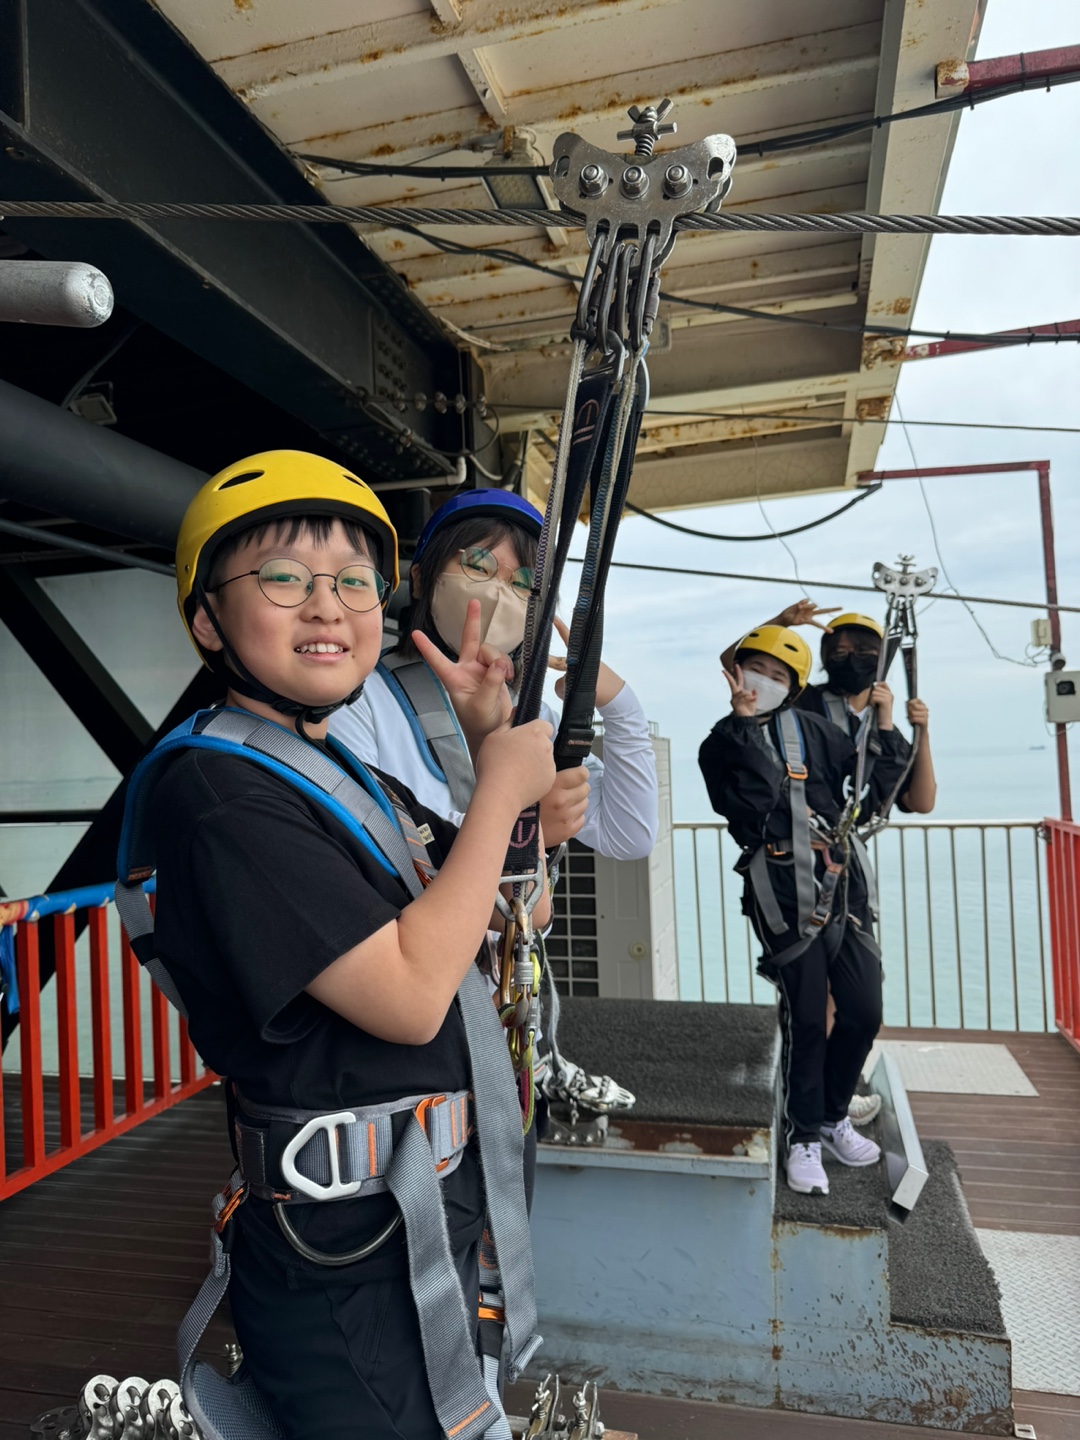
(851, 674)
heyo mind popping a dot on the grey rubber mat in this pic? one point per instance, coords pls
(687, 1062)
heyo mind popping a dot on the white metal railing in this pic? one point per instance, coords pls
(963, 923)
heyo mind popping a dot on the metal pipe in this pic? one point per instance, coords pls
(54, 292)
(1057, 659)
(53, 461)
(84, 547)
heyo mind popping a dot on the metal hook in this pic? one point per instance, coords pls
(641, 292)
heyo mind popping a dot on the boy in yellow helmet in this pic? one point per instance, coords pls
(311, 978)
(773, 773)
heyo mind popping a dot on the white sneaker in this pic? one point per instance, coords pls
(805, 1172)
(863, 1108)
(849, 1147)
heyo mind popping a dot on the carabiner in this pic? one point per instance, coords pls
(584, 326)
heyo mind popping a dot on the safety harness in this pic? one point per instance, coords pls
(290, 1156)
(815, 901)
(435, 727)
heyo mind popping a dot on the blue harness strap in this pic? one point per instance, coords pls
(136, 854)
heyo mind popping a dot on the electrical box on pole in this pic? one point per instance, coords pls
(1062, 696)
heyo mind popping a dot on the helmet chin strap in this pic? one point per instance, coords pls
(244, 683)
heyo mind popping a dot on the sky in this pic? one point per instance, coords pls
(993, 752)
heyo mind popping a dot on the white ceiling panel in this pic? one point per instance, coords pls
(415, 81)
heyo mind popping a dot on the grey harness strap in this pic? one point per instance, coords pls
(802, 853)
(341, 1155)
(465, 1407)
(836, 709)
(439, 724)
(869, 877)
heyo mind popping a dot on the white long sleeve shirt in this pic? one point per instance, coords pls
(621, 819)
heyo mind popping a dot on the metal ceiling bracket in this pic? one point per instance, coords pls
(632, 196)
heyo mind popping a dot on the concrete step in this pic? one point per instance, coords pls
(674, 1259)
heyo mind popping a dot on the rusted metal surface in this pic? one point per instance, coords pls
(641, 1135)
(413, 81)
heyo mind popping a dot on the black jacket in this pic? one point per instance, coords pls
(747, 779)
(886, 748)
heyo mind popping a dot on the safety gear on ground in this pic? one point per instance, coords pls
(851, 674)
(277, 484)
(781, 644)
(502, 614)
(770, 693)
(498, 504)
(861, 622)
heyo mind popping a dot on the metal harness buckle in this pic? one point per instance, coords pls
(428, 1103)
(232, 1199)
(338, 1189)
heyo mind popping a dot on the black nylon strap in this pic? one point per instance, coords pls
(592, 423)
(575, 736)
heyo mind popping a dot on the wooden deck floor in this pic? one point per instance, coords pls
(98, 1262)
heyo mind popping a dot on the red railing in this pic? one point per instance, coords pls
(83, 1116)
(1063, 887)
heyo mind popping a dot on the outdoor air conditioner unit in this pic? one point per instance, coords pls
(613, 931)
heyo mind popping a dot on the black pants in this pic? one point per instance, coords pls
(337, 1361)
(821, 1073)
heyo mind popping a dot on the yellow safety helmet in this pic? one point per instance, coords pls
(276, 484)
(781, 644)
(863, 622)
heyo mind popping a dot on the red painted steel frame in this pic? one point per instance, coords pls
(40, 1155)
(1063, 889)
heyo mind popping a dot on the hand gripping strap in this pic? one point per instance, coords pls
(426, 705)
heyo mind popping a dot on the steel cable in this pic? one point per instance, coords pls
(392, 216)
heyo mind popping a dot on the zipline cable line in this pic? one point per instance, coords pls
(395, 216)
(408, 219)
(829, 585)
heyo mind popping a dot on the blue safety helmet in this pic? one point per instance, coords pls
(498, 504)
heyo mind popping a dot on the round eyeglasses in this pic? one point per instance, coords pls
(288, 583)
(480, 565)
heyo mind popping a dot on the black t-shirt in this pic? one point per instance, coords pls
(259, 890)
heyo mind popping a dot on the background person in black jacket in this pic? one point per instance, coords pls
(850, 647)
(748, 783)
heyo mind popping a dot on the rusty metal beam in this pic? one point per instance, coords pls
(967, 77)
(697, 372)
(410, 40)
(706, 80)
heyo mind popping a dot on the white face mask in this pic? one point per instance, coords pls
(502, 614)
(770, 693)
